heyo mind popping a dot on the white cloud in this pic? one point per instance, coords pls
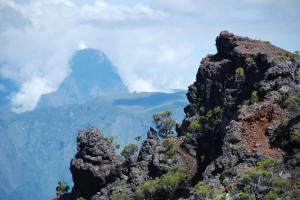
(104, 11)
(29, 94)
(156, 46)
(82, 45)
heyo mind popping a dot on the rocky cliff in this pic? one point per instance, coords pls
(240, 138)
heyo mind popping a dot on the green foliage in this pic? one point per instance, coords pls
(252, 175)
(61, 188)
(109, 139)
(194, 126)
(271, 196)
(138, 138)
(249, 60)
(254, 98)
(240, 72)
(164, 123)
(167, 182)
(219, 195)
(146, 189)
(297, 73)
(184, 138)
(245, 196)
(171, 180)
(129, 150)
(212, 120)
(295, 137)
(265, 164)
(117, 146)
(260, 182)
(203, 190)
(80, 198)
(284, 57)
(293, 101)
(118, 196)
(293, 194)
(171, 147)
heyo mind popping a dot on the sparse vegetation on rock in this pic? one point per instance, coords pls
(164, 123)
(61, 188)
(129, 150)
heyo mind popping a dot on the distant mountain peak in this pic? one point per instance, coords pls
(93, 75)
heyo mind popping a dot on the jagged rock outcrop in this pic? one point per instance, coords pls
(95, 165)
(240, 138)
(244, 87)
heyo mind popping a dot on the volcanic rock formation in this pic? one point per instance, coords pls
(240, 138)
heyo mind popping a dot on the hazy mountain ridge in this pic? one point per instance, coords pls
(92, 75)
(39, 144)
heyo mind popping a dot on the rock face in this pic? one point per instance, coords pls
(243, 72)
(240, 138)
(94, 165)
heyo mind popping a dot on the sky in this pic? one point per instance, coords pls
(157, 45)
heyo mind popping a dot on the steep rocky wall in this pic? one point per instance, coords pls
(237, 97)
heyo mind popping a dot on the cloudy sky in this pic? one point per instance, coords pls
(156, 44)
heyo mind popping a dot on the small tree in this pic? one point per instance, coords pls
(164, 123)
(254, 98)
(61, 188)
(138, 138)
(129, 150)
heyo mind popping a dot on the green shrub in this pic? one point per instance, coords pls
(295, 137)
(265, 164)
(240, 72)
(284, 57)
(184, 138)
(80, 198)
(297, 73)
(261, 182)
(171, 180)
(271, 196)
(292, 101)
(194, 126)
(146, 189)
(129, 150)
(254, 98)
(171, 147)
(218, 112)
(249, 60)
(109, 139)
(292, 194)
(167, 182)
(219, 195)
(164, 123)
(138, 138)
(246, 196)
(61, 188)
(278, 182)
(203, 190)
(118, 196)
(212, 120)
